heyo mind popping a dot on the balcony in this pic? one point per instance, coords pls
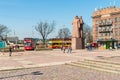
(105, 24)
(105, 31)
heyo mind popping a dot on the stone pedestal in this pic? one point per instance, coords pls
(77, 43)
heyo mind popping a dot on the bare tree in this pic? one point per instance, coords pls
(64, 33)
(44, 29)
(3, 30)
(87, 30)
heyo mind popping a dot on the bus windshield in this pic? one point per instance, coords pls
(28, 44)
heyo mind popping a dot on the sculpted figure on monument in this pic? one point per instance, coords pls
(81, 27)
(77, 27)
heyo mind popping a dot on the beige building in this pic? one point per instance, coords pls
(106, 24)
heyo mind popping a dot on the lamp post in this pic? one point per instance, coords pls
(33, 31)
(63, 36)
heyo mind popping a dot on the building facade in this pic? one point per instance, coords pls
(106, 24)
(13, 40)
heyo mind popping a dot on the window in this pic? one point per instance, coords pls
(116, 33)
(118, 25)
(103, 21)
(114, 25)
(115, 19)
(108, 34)
(105, 34)
(110, 21)
(118, 19)
(97, 21)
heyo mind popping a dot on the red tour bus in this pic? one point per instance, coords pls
(29, 44)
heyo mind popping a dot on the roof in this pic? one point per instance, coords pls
(108, 10)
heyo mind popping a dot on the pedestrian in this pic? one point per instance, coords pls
(63, 49)
(10, 50)
(69, 49)
(18, 46)
(90, 47)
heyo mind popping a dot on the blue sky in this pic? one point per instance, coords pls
(21, 15)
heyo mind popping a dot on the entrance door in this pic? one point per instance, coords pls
(107, 44)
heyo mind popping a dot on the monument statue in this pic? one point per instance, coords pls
(77, 33)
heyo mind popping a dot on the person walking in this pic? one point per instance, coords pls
(69, 49)
(63, 49)
(10, 50)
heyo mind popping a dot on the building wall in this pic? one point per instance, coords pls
(106, 24)
(12, 39)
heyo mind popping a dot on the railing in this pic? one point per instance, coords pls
(105, 30)
(105, 24)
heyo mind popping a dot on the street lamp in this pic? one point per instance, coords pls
(33, 31)
(63, 35)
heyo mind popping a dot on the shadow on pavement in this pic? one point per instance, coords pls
(21, 75)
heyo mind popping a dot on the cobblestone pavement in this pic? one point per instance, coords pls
(61, 72)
